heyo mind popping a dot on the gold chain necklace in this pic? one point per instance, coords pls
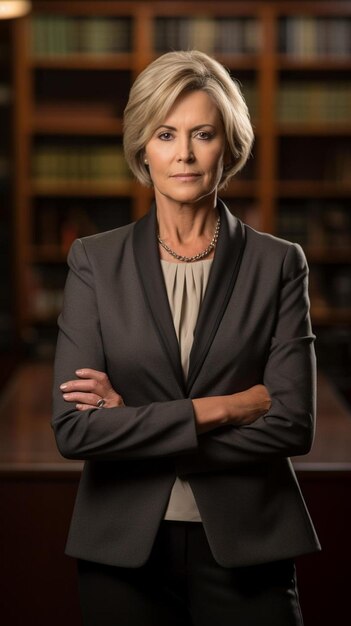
(196, 257)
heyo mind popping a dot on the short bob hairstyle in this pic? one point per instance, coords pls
(154, 93)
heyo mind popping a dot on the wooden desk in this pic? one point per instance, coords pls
(38, 486)
(27, 441)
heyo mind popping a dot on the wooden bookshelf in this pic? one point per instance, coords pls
(74, 95)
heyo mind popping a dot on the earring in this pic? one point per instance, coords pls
(146, 161)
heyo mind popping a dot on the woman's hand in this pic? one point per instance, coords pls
(238, 409)
(247, 406)
(91, 390)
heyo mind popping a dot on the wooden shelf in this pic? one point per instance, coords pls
(320, 63)
(84, 123)
(313, 189)
(120, 61)
(82, 188)
(321, 129)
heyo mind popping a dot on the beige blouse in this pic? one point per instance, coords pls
(186, 285)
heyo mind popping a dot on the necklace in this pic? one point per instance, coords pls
(199, 255)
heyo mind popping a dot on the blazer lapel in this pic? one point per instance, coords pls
(224, 271)
(151, 278)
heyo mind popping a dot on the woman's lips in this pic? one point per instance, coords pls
(185, 176)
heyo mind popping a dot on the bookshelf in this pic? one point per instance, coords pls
(75, 62)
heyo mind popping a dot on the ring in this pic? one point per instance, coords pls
(100, 403)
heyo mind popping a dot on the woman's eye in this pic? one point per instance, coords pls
(165, 136)
(203, 134)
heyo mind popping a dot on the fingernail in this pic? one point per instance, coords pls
(79, 372)
(63, 386)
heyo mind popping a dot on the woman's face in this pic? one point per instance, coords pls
(185, 154)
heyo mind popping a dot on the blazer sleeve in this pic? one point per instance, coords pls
(159, 429)
(287, 429)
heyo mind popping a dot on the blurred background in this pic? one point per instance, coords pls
(66, 68)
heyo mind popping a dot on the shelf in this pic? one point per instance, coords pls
(327, 128)
(313, 189)
(317, 63)
(74, 122)
(120, 61)
(82, 188)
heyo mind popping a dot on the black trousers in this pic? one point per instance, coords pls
(182, 585)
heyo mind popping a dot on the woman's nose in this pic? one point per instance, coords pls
(185, 152)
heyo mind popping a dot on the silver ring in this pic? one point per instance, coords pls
(100, 403)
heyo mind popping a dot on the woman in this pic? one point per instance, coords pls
(184, 377)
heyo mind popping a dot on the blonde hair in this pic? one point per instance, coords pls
(157, 88)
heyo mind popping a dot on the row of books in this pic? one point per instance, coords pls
(303, 36)
(58, 225)
(316, 225)
(61, 35)
(217, 36)
(79, 162)
(316, 101)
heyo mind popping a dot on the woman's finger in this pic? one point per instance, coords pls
(87, 372)
(80, 385)
(89, 380)
(82, 398)
(93, 400)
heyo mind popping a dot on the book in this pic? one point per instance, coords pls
(314, 102)
(239, 35)
(56, 35)
(307, 37)
(79, 162)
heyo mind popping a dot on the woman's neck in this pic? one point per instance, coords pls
(186, 227)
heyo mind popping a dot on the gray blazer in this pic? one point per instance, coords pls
(253, 327)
